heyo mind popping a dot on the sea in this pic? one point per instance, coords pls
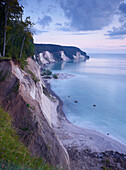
(95, 96)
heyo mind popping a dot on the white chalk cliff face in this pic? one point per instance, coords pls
(64, 57)
(47, 57)
(34, 109)
(78, 56)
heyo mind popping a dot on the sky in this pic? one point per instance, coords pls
(95, 26)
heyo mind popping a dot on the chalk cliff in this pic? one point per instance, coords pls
(48, 53)
(25, 97)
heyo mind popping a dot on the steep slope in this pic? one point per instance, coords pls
(46, 53)
(22, 95)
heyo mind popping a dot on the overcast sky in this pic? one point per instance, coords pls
(92, 25)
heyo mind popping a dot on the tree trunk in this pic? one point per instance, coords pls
(22, 46)
(8, 39)
(4, 43)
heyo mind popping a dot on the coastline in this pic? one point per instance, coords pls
(86, 148)
(108, 141)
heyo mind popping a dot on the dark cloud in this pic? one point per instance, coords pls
(89, 14)
(122, 8)
(117, 33)
(45, 21)
(58, 24)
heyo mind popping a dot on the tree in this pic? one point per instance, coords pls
(15, 34)
(12, 11)
(26, 32)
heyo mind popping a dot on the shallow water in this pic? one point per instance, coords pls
(99, 81)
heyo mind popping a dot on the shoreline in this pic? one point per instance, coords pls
(64, 120)
(84, 146)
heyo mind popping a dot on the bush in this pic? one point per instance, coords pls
(46, 72)
(34, 78)
(28, 105)
(55, 76)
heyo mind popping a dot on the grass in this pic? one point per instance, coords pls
(34, 78)
(13, 154)
(23, 63)
(5, 58)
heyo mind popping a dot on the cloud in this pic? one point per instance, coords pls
(81, 33)
(122, 45)
(58, 24)
(37, 32)
(117, 33)
(23, 2)
(86, 15)
(122, 8)
(45, 21)
(65, 29)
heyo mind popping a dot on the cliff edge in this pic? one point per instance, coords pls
(22, 94)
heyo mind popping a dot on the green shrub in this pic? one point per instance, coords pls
(55, 76)
(34, 78)
(28, 105)
(5, 58)
(46, 72)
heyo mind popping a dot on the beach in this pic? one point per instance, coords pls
(81, 143)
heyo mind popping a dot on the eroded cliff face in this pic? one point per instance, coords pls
(23, 95)
(47, 57)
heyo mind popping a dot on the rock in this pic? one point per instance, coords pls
(28, 112)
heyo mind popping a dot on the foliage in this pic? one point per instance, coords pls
(15, 34)
(55, 76)
(46, 72)
(23, 63)
(34, 78)
(13, 154)
(28, 105)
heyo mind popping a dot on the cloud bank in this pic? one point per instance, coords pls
(88, 15)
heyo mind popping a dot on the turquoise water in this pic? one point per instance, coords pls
(99, 81)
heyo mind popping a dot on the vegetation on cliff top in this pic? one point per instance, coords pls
(13, 154)
(16, 39)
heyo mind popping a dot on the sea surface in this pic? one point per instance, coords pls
(100, 81)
